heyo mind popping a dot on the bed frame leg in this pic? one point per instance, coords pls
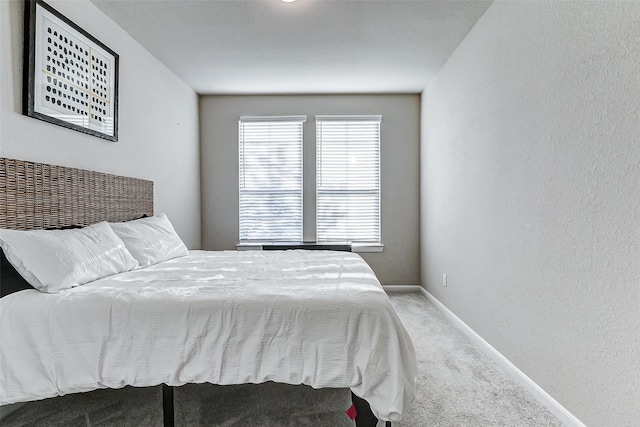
(365, 417)
(167, 406)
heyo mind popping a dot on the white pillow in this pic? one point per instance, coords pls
(54, 260)
(150, 240)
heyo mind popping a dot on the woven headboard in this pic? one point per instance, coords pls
(40, 196)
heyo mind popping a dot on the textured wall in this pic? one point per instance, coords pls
(530, 196)
(158, 119)
(399, 264)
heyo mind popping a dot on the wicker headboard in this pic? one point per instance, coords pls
(40, 196)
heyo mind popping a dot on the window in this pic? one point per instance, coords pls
(347, 184)
(270, 178)
(348, 178)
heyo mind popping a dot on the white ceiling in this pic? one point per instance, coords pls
(310, 46)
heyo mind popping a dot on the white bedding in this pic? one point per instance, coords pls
(298, 317)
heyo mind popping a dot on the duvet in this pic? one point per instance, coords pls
(318, 318)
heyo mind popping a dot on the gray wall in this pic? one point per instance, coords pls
(158, 119)
(399, 263)
(530, 196)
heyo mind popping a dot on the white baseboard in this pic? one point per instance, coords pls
(566, 417)
(402, 288)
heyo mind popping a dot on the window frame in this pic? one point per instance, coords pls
(371, 245)
(299, 120)
(309, 189)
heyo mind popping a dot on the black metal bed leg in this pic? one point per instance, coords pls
(365, 417)
(167, 406)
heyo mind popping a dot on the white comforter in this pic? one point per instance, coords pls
(298, 317)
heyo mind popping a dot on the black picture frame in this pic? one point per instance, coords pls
(69, 77)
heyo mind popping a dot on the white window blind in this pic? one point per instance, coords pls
(271, 178)
(348, 178)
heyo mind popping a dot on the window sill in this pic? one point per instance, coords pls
(355, 247)
(367, 247)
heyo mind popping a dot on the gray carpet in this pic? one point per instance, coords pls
(458, 385)
(267, 404)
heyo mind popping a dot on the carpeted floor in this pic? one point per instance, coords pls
(458, 385)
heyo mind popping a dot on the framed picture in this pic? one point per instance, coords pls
(70, 78)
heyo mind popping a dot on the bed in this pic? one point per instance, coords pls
(318, 318)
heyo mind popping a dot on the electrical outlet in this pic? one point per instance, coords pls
(444, 280)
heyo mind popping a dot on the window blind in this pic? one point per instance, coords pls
(348, 178)
(270, 178)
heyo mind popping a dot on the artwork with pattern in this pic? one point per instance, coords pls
(74, 76)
